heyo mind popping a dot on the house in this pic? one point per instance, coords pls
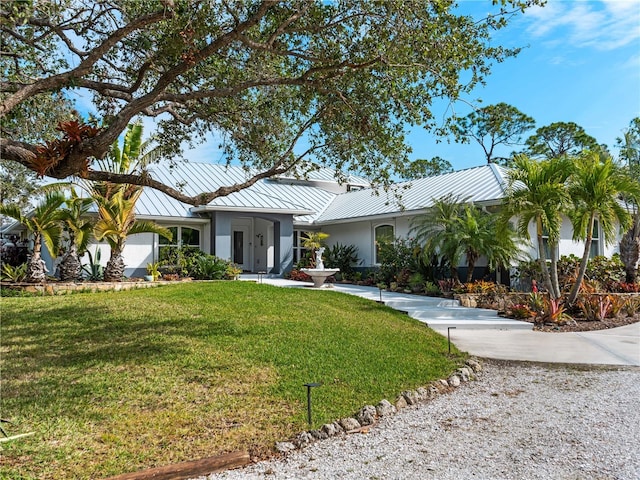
(259, 228)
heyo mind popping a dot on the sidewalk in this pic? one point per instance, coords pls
(484, 334)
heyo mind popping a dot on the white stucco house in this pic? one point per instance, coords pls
(259, 228)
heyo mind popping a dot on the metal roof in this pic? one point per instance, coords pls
(264, 196)
(480, 184)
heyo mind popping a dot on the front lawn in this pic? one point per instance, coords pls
(121, 381)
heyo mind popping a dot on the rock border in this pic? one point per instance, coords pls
(369, 415)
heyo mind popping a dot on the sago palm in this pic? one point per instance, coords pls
(45, 227)
(596, 188)
(537, 192)
(115, 223)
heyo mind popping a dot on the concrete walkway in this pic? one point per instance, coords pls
(483, 333)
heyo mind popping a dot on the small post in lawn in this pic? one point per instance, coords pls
(309, 387)
(449, 337)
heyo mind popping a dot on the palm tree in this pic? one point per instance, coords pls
(44, 224)
(454, 227)
(437, 231)
(537, 192)
(116, 222)
(79, 229)
(596, 188)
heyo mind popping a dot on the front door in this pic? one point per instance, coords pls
(240, 250)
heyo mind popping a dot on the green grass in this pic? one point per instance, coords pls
(121, 381)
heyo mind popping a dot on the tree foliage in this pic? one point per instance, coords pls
(422, 168)
(345, 76)
(558, 139)
(494, 125)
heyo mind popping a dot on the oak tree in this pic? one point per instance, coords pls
(279, 82)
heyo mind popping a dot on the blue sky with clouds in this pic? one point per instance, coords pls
(581, 64)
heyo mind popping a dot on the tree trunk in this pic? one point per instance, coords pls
(573, 295)
(542, 260)
(70, 267)
(471, 265)
(36, 271)
(555, 283)
(114, 271)
(630, 250)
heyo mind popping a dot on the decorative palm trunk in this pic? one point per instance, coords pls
(114, 271)
(546, 278)
(630, 250)
(471, 265)
(71, 267)
(36, 271)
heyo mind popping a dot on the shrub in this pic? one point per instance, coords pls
(298, 276)
(14, 274)
(209, 267)
(554, 311)
(397, 257)
(632, 306)
(520, 311)
(343, 257)
(431, 288)
(595, 307)
(622, 287)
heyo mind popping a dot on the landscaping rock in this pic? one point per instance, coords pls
(303, 439)
(319, 434)
(423, 393)
(474, 364)
(443, 383)
(349, 423)
(330, 429)
(464, 373)
(284, 447)
(385, 408)
(411, 396)
(367, 415)
(400, 403)
(454, 381)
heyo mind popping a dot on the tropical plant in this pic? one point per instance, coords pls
(313, 241)
(596, 188)
(403, 254)
(454, 227)
(14, 274)
(629, 146)
(520, 311)
(94, 270)
(78, 227)
(554, 311)
(595, 308)
(152, 271)
(343, 257)
(43, 223)
(536, 192)
(115, 223)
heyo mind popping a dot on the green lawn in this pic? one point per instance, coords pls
(117, 382)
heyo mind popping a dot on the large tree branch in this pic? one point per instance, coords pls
(56, 82)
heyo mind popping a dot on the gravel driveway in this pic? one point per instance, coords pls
(518, 421)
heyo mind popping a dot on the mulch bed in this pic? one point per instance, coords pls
(582, 325)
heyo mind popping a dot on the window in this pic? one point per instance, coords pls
(182, 237)
(298, 251)
(595, 240)
(382, 233)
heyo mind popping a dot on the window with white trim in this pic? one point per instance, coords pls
(182, 237)
(382, 233)
(299, 251)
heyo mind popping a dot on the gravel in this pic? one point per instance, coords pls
(515, 421)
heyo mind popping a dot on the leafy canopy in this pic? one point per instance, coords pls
(344, 77)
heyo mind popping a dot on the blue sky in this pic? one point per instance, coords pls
(581, 64)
